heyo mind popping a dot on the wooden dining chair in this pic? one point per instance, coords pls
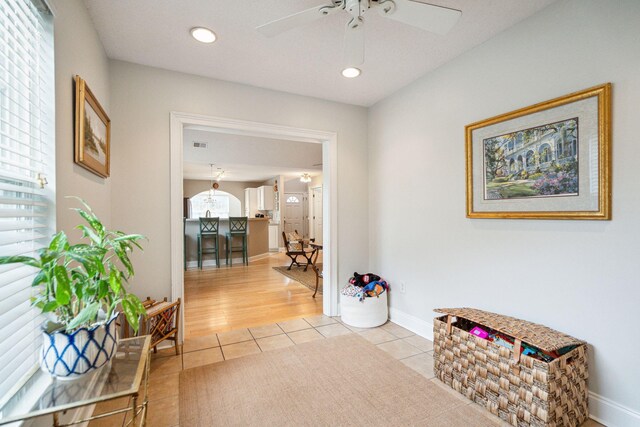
(162, 323)
(294, 249)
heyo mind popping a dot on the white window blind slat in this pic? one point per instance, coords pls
(16, 186)
(23, 347)
(27, 179)
(19, 213)
(19, 371)
(26, 249)
(8, 238)
(16, 200)
(9, 225)
(14, 280)
(20, 325)
(20, 151)
(13, 304)
(29, 168)
(26, 150)
(9, 267)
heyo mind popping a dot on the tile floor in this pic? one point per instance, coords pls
(412, 350)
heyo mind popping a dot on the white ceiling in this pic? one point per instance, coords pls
(246, 158)
(305, 61)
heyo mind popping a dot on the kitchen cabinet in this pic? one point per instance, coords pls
(265, 198)
(273, 237)
(250, 202)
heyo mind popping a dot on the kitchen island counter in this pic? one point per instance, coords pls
(257, 240)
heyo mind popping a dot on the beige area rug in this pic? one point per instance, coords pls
(307, 278)
(341, 381)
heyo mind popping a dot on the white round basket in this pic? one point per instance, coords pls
(371, 312)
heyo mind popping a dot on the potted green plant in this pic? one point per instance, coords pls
(80, 288)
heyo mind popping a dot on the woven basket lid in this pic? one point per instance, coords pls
(534, 334)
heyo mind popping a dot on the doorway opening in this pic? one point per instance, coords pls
(327, 185)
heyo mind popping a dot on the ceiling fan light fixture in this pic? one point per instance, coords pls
(351, 72)
(203, 35)
(305, 177)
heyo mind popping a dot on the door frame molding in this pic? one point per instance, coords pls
(329, 140)
(312, 216)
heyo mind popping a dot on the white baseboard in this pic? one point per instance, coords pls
(610, 413)
(412, 323)
(212, 262)
(257, 257)
(603, 410)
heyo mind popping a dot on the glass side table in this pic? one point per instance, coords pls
(126, 375)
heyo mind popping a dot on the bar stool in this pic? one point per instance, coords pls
(237, 228)
(208, 230)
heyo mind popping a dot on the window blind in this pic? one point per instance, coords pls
(26, 154)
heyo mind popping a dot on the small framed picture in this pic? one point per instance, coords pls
(92, 131)
(548, 161)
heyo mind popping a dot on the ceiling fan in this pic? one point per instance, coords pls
(436, 19)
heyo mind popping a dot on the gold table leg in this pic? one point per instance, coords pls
(135, 409)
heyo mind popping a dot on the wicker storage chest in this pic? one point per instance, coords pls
(520, 389)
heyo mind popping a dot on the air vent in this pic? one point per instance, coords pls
(197, 144)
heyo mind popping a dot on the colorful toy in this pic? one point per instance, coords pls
(507, 341)
(363, 280)
(374, 289)
(365, 285)
(480, 333)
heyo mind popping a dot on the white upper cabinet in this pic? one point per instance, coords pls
(265, 198)
(250, 202)
(258, 199)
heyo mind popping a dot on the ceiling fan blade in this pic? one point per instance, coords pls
(354, 43)
(436, 19)
(299, 19)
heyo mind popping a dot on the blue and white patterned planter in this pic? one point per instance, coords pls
(68, 356)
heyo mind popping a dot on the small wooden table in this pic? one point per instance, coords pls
(317, 247)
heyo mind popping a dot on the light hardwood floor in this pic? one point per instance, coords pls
(226, 298)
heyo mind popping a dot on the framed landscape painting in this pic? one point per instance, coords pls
(547, 161)
(92, 131)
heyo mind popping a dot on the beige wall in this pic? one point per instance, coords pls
(141, 101)
(316, 181)
(78, 50)
(295, 186)
(580, 277)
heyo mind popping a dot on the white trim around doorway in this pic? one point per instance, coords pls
(329, 141)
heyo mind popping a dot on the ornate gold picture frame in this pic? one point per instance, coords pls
(92, 131)
(551, 160)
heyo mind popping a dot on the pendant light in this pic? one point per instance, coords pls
(305, 177)
(212, 188)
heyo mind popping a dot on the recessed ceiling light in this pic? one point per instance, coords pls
(203, 35)
(351, 72)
